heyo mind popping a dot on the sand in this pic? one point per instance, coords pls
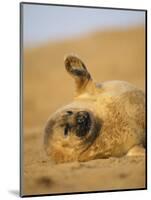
(112, 55)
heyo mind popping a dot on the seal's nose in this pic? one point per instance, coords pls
(82, 117)
(83, 123)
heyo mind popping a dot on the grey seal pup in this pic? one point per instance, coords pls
(104, 119)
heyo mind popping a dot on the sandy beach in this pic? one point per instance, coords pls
(111, 55)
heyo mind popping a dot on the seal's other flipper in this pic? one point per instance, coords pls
(77, 69)
(137, 150)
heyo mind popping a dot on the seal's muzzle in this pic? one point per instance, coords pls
(80, 125)
(83, 123)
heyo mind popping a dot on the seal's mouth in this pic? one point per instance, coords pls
(80, 123)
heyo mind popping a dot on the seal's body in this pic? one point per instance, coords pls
(106, 119)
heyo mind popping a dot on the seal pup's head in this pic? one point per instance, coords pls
(69, 133)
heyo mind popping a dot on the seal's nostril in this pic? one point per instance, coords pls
(83, 123)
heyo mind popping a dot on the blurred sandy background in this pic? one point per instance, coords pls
(111, 54)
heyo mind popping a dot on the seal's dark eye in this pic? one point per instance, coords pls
(67, 129)
(69, 112)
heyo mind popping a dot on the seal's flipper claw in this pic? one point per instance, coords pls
(77, 69)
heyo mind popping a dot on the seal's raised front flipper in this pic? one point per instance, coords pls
(77, 69)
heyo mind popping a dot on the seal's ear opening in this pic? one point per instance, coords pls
(77, 69)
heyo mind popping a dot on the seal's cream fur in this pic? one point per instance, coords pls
(117, 112)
